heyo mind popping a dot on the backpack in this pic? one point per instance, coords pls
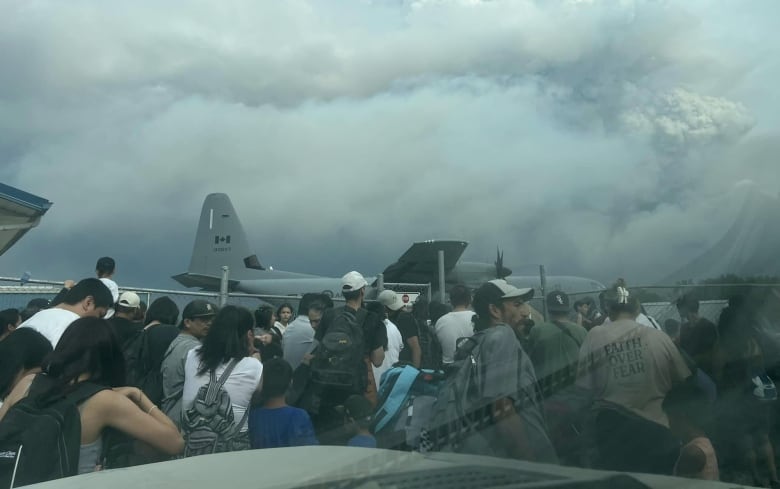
(427, 410)
(459, 408)
(339, 362)
(209, 425)
(140, 369)
(40, 437)
(430, 346)
(405, 394)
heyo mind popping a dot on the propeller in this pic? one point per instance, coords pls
(501, 271)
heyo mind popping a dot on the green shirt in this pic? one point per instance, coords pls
(554, 349)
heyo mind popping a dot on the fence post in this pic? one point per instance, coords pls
(543, 280)
(223, 286)
(442, 293)
(380, 282)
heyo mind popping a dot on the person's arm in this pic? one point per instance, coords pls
(691, 462)
(62, 293)
(259, 386)
(511, 430)
(376, 339)
(378, 357)
(414, 345)
(18, 393)
(128, 410)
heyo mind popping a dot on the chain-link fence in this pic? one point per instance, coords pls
(19, 295)
(658, 301)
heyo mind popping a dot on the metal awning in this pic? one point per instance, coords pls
(19, 212)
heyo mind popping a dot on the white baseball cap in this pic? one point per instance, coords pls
(390, 300)
(510, 291)
(353, 281)
(129, 299)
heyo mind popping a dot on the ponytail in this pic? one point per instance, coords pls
(618, 300)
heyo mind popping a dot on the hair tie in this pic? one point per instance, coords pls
(622, 295)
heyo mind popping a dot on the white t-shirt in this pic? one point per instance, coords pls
(114, 288)
(449, 328)
(241, 384)
(395, 344)
(51, 323)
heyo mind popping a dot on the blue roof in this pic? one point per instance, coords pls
(23, 198)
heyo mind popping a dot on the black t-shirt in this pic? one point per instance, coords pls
(698, 338)
(160, 337)
(406, 324)
(124, 328)
(374, 331)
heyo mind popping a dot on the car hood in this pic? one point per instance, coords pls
(327, 467)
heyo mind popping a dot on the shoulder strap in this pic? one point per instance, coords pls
(81, 392)
(84, 391)
(566, 331)
(216, 384)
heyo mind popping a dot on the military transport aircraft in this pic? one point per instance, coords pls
(221, 241)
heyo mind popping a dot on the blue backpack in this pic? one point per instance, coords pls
(405, 395)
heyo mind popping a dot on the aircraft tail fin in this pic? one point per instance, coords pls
(221, 241)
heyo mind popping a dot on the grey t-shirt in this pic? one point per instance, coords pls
(297, 340)
(509, 373)
(172, 369)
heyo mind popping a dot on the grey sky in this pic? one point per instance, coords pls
(601, 138)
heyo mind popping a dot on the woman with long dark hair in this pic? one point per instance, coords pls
(88, 351)
(744, 413)
(229, 344)
(21, 354)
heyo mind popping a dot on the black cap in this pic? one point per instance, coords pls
(198, 308)
(558, 301)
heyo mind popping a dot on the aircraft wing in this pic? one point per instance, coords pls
(206, 282)
(421, 261)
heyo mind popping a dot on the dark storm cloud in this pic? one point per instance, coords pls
(598, 137)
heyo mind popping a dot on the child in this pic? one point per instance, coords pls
(276, 424)
(358, 412)
(685, 405)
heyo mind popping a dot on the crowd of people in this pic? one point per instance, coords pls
(594, 385)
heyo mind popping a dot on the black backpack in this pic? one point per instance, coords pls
(430, 347)
(40, 436)
(339, 361)
(140, 369)
(209, 425)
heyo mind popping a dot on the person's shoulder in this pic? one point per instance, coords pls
(298, 413)
(250, 364)
(183, 343)
(192, 355)
(501, 334)
(575, 328)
